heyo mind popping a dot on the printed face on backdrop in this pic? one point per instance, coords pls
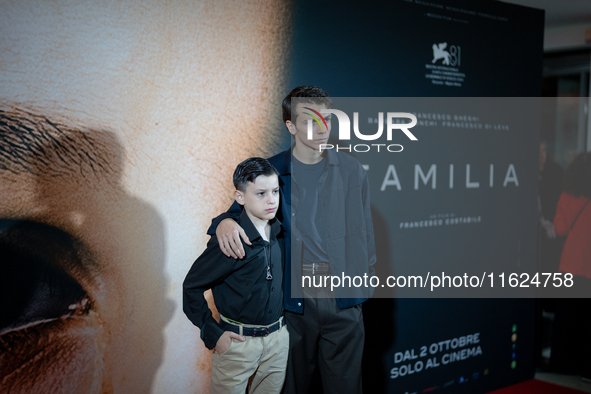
(116, 124)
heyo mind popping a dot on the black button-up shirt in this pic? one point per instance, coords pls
(240, 289)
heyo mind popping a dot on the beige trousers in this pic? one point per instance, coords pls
(258, 362)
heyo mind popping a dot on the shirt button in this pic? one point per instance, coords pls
(272, 289)
(270, 311)
(299, 304)
(293, 214)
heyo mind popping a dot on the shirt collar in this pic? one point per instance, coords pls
(331, 158)
(251, 231)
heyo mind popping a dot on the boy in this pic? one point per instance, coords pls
(250, 340)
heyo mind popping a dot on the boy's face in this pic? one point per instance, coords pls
(261, 198)
(299, 129)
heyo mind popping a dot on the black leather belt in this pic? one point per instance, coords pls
(315, 269)
(261, 331)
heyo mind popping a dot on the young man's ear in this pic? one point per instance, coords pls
(239, 197)
(290, 127)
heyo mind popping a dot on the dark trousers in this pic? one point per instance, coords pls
(329, 339)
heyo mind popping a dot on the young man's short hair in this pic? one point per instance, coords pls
(249, 170)
(305, 94)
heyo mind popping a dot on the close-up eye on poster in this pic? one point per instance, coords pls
(280, 196)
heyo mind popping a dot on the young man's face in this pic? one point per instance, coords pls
(299, 129)
(261, 198)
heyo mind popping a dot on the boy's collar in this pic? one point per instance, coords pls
(251, 231)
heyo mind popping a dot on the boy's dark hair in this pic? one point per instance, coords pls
(305, 94)
(577, 177)
(249, 170)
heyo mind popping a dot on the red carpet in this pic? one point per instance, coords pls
(534, 386)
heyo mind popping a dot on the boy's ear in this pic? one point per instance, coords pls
(239, 197)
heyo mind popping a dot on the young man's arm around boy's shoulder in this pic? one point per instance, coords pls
(229, 232)
(209, 270)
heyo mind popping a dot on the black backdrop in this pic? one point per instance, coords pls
(384, 49)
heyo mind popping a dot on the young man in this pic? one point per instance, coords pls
(326, 214)
(250, 340)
